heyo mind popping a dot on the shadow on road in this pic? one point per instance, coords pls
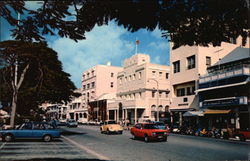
(60, 159)
(151, 141)
(66, 132)
(34, 140)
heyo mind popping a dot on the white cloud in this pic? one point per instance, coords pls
(160, 45)
(102, 45)
(156, 60)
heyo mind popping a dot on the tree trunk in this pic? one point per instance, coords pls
(13, 109)
(15, 87)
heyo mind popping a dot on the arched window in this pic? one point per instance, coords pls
(80, 115)
(167, 108)
(85, 115)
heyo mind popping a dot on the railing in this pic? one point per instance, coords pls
(243, 70)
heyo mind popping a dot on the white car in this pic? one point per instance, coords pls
(72, 123)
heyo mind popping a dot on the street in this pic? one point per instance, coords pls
(86, 142)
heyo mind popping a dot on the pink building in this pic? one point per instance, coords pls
(142, 91)
(97, 81)
(188, 63)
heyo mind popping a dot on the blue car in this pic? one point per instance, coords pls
(31, 130)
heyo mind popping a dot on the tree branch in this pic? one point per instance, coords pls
(22, 76)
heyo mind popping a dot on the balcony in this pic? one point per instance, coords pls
(236, 75)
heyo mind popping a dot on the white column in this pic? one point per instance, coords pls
(123, 114)
(115, 115)
(180, 119)
(237, 120)
(135, 115)
(126, 114)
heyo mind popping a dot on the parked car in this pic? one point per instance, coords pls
(111, 127)
(72, 123)
(31, 130)
(148, 131)
(243, 134)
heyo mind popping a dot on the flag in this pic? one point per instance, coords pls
(137, 42)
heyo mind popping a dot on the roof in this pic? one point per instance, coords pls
(237, 54)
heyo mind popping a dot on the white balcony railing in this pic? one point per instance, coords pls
(243, 70)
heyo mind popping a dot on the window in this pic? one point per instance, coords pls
(160, 94)
(193, 89)
(88, 85)
(133, 76)
(125, 79)
(189, 92)
(233, 40)
(139, 75)
(84, 86)
(160, 74)
(153, 73)
(130, 78)
(208, 60)
(167, 75)
(112, 84)
(166, 94)
(88, 75)
(191, 62)
(185, 99)
(92, 73)
(153, 94)
(93, 84)
(112, 74)
(180, 92)
(139, 95)
(120, 80)
(176, 66)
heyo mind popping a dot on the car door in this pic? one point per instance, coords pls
(137, 130)
(25, 131)
(38, 130)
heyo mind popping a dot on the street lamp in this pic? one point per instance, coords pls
(157, 101)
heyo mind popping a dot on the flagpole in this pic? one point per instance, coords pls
(136, 45)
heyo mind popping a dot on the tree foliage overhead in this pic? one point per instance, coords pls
(44, 81)
(187, 22)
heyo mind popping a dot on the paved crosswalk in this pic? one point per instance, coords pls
(23, 150)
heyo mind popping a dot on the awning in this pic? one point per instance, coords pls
(193, 113)
(210, 112)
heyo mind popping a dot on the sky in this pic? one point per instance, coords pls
(108, 43)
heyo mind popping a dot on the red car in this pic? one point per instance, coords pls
(243, 134)
(149, 131)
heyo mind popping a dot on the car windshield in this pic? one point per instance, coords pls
(111, 122)
(161, 125)
(151, 126)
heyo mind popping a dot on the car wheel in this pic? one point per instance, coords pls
(120, 132)
(242, 138)
(101, 130)
(134, 137)
(108, 132)
(47, 138)
(165, 140)
(8, 138)
(146, 139)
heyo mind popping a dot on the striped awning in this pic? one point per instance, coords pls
(210, 112)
